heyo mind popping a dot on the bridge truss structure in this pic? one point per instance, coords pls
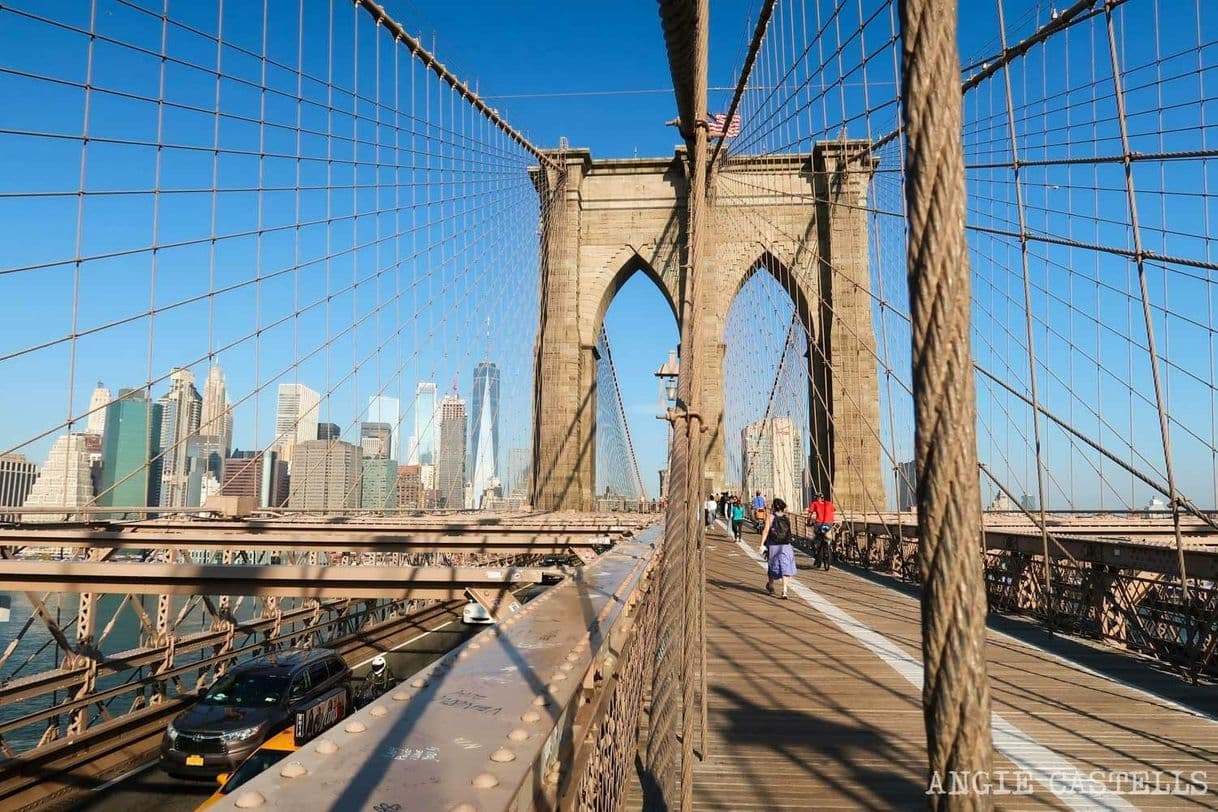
(309, 214)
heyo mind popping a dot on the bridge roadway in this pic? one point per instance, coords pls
(149, 787)
(814, 702)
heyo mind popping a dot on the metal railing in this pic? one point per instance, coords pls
(541, 711)
(1124, 592)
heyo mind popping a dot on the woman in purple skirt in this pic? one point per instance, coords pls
(776, 543)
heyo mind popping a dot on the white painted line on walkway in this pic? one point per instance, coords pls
(1048, 768)
(1157, 699)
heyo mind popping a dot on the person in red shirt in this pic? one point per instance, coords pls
(821, 511)
(820, 517)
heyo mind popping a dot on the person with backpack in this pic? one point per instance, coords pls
(777, 547)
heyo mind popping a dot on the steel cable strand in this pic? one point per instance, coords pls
(955, 693)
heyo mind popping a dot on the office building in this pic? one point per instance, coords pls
(93, 447)
(376, 439)
(64, 481)
(450, 470)
(216, 424)
(17, 477)
(1001, 504)
(181, 413)
(131, 447)
(386, 410)
(772, 463)
(410, 487)
(295, 418)
(95, 423)
(378, 489)
(907, 485)
(484, 439)
(328, 431)
(261, 476)
(520, 461)
(423, 448)
(325, 476)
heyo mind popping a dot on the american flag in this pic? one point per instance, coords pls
(718, 123)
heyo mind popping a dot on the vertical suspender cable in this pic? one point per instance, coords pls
(955, 693)
(1144, 295)
(1048, 602)
(689, 392)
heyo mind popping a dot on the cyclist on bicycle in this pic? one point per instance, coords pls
(820, 517)
(758, 511)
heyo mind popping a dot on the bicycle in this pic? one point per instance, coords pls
(822, 547)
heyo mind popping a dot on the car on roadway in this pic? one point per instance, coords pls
(250, 704)
(272, 751)
(311, 720)
(476, 614)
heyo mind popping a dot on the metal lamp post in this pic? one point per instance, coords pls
(667, 375)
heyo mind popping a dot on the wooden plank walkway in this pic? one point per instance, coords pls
(815, 703)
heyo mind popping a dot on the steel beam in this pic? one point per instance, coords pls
(401, 583)
(202, 537)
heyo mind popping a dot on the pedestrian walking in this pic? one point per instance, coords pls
(776, 546)
(710, 506)
(737, 510)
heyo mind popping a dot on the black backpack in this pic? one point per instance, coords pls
(780, 532)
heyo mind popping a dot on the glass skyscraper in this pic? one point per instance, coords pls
(182, 413)
(484, 433)
(450, 470)
(132, 437)
(383, 409)
(426, 424)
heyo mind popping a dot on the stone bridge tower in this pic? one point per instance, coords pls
(801, 218)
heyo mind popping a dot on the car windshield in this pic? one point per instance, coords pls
(258, 761)
(249, 689)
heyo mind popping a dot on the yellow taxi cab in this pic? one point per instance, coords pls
(272, 751)
(310, 721)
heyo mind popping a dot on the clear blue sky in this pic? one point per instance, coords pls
(600, 79)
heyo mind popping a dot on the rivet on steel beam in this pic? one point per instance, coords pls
(573, 656)
(540, 700)
(530, 717)
(250, 800)
(326, 747)
(503, 754)
(462, 655)
(567, 666)
(463, 807)
(401, 696)
(419, 683)
(559, 677)
(485, 781)
(293, 769)
(355, 726)
(379, 710)
(475, 644)
(519, 735)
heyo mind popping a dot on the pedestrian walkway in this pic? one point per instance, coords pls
(815, 702)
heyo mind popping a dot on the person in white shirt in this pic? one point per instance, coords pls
(712, 507)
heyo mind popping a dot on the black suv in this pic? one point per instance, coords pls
(246, 706)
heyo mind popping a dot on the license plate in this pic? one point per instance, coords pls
(194, 761)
